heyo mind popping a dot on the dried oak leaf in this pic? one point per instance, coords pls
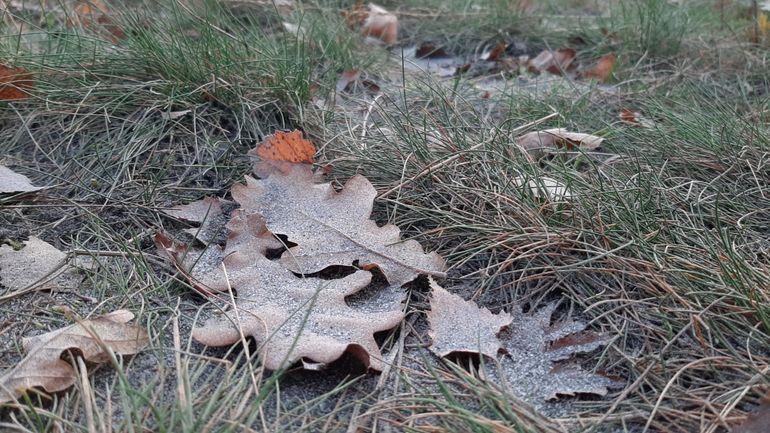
(532, 366)
(207, 212)
(39, 265)
(603, 68)
(43, 366)
(15, 83)
(12, 182)
(541, 142)
(291, 317)
(556, 62)
(332, 228)
(374, 22)
(460, 326)
(280, 151)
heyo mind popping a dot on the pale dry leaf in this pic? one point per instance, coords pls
(293, 318)
(332, 228)
(539, 143)
(556, 62)
(12, 182)
(460, 326)
(37, 265)
(207, 212)
(381, 25)
(534, 368)
(43, 366)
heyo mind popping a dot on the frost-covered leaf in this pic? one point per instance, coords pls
(332, 228)
(12, 182)
(545, 188)
(43, 366)
(555, 138)
(457, 325)
(291, 317)
(207, 212)
(534, 364)
(37, 265)
(532, 369)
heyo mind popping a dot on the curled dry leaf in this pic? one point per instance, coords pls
(292, 317)
(332, 228)
(533, 366)
(555, 62)
(460, 326)
(15, 84)
(603, 68)
(39, 265)
(208, 212)
(12, 182)
(540, 142)
(374, 21)
(43, 366)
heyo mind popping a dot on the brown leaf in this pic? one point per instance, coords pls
(280, 151)
(758, 421)
(538, 142)
(429, 50)
(457, 325)
(374, 22)
(603, 68)
(332, 228)
(15, 84)
(43, 366)
(635, 118)
(291, 317)
(38, 265)
(555, 62)
(495, 53)
(12, 182)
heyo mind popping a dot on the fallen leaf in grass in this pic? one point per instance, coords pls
(429, 50)
(346, 78)
(292, 317)
(495, 53)
(37, 265)
(43, 366)
(208, 212)
(541, 141)
(14, 183)
(460, 326)
(555, 62)
(281, 150)
(15, 83)
(374, 22)
(532, 366)
(332, 228)
(545, 188)
(635, 118)
(758, 421)
(603, 68)
(95, 15)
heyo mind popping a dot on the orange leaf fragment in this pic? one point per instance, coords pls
(603, 68)
(15, 83)
(496, 52)
(635, 118)
(287, 146)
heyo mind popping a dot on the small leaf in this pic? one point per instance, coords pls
(12, 182)
(539, 141)
(281, 150)
(603, 68)
(556, 62)
(43, 366)
(457, 325)
(38, 265)
(374, 22)
(15, 84)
